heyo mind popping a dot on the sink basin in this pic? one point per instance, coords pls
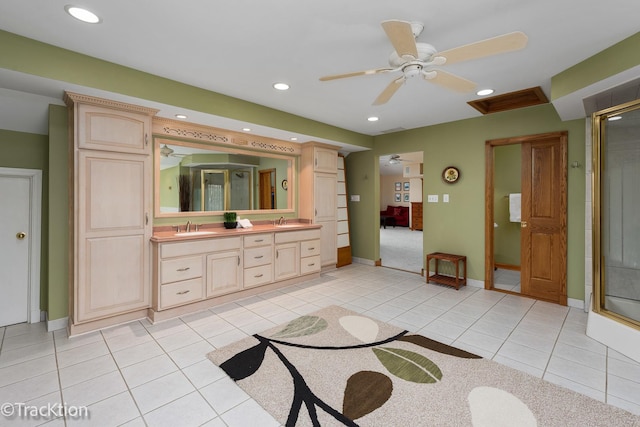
(195, 233)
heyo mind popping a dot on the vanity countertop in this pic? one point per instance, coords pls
(167, 234)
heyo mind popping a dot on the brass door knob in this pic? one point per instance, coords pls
(21, 235)
(523, 224)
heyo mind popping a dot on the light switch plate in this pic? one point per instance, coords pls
(432, 198)
(355, 197)
(445, 198)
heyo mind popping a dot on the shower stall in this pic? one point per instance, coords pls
(616, 206)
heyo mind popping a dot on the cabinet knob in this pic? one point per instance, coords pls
(21, 235)
(523, 224)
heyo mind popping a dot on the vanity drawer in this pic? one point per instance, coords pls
(310, 264)
(255, 240)
(180, 293)
(173, 270)
(309, 248)
(258, 256)
(257, 276)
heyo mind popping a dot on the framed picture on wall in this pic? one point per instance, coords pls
(406, 197)
(398, 196)
(406, 186)
(398, 186)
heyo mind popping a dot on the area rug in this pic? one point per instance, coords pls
(335, 367)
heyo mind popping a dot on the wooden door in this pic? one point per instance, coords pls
(543, 264)
(267, 189)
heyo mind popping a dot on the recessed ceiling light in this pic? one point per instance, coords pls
(181, 116)
(281, 86)
(373, 119)
(614, 118)
(484, 92)
(246, 129)
(82, 14)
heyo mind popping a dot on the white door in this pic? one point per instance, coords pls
(17, 246)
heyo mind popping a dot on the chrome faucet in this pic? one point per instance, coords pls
(281, 220)
(187, 228)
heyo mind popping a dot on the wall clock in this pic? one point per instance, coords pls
(450, 174)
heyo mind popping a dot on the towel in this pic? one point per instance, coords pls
(514, 207)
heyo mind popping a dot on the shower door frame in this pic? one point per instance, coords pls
(598, 119)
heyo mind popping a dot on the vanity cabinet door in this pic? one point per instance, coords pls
(113, 232)
(112, 130)
(287, 263)
(325, 160)
(224, 272)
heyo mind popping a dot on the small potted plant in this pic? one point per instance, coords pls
(230, 220)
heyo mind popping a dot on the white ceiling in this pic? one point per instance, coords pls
(240, 48)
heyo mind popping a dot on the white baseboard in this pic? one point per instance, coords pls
(575, 303)
(56, 324)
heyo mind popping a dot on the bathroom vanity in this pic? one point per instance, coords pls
(196, 270)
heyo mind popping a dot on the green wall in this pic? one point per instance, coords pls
(458, 226)
(58, 214)
(31, 151)
(506, 180)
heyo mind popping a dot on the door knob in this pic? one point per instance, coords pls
(523, 224)
(21, 235)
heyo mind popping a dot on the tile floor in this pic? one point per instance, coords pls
(157, 375)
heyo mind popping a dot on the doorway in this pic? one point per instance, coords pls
(401, 228)
(20, 245)
(267, 188)
(541, 217)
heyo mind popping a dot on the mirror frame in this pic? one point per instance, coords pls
(159, 140)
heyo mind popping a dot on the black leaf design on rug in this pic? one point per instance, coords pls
(245, 363)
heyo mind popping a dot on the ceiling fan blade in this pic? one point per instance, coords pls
(389, 91)
(357, 73)
(450, 81)
(493, 46)
(401, 36)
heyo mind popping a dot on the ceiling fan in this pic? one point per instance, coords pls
(419, 59)
(166, 151)
(395, 159)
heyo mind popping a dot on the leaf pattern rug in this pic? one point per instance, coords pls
(335, 367)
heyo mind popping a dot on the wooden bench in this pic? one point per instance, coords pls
(455, 281)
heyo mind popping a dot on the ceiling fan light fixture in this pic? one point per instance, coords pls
(165, 151)
(484, 92)
(82, 14)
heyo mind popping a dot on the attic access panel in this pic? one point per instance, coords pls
(510, 101)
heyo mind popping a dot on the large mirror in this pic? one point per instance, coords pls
(192, 179)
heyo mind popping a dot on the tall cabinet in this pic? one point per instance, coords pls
(318, 195)
(111, 211)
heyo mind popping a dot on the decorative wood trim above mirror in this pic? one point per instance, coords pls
(192, 131)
